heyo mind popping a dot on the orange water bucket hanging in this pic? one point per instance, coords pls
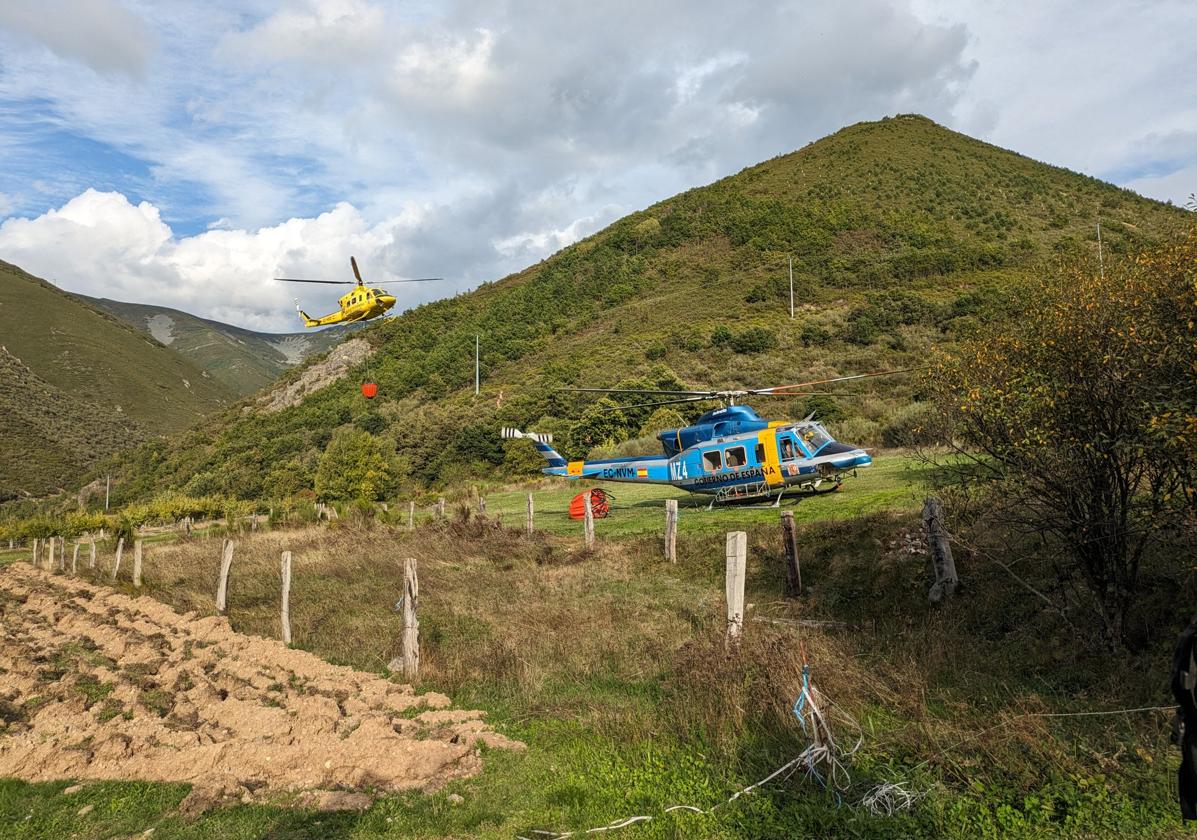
(369, 390)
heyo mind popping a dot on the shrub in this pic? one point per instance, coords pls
(814, 335)
(754, 340)
(356, 465)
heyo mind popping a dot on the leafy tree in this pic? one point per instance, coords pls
(665, 417)
(601, 424)
(1081, 415)
(356, 465)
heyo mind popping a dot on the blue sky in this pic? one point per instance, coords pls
(179, 153)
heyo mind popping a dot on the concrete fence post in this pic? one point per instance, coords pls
(737, 561)
(671, 530)
(222, 583)
(285, 614)
(588, 521)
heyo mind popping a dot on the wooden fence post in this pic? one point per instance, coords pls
(789, 542)
(531, 513)
(285, 617)
(410, 649)
(440, 507)
(737, 560)
(411, 516)
(222, 584)
(588, 521)
(120, 550)
(137, 564)
(36, 546)
(941, 552)
(50, 543)
(671, 530)
(482, 506)
(91, 557)
(75, 559)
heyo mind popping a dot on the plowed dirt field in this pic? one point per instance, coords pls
(97, 685)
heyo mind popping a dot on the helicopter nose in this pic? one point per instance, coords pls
(387, 301)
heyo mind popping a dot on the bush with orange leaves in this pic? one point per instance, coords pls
(1078, 418)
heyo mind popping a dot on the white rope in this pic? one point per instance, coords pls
(889, 798)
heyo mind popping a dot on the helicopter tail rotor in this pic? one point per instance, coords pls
(543, 443)
(308, 321)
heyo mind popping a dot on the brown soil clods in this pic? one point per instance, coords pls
(97, 685)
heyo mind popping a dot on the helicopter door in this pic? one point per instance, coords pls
(768, 443)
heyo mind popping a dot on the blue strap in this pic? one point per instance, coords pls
(800, 703)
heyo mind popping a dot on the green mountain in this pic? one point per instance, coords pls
(243, 360)
(903, 234)
(77, 385)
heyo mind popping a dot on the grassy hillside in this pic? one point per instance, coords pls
(98, 385)
(47, 439)
(903, 235)
(243, 360)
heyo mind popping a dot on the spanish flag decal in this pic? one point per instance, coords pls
(574, 468)
(641, 472)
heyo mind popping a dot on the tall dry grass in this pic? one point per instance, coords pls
(631, 647)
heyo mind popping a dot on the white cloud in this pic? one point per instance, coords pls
(102, 34)
(1091, 86)
(100, 244)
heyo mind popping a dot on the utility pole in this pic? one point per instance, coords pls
(1101, 263)
(791, 259)
(477, 366)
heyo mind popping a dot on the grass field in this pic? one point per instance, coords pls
(611, 666)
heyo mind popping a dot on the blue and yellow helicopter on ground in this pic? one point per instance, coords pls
(730, 453)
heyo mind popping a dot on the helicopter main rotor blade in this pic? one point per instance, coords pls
(356, 273)
(413, 280)
(813, 394)
(322, 282)
(654, 404)
(781, 388)
(650, 392)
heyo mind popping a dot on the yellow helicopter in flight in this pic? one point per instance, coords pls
(361, 304)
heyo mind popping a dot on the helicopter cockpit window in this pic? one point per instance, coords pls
(815, 437)
(788, 451)
(712, 460)
(735, 457)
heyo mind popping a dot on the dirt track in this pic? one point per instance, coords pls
(97, 685)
